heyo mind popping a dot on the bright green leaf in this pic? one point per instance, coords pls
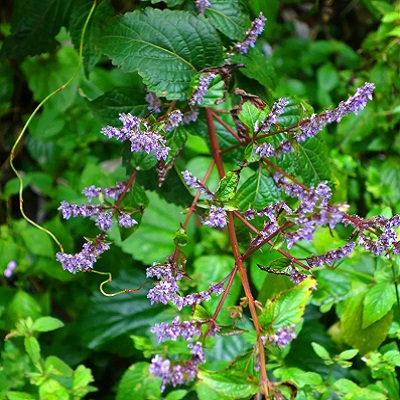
(378, 302)
(32, 347)
(227, 186)
(321, 351)
(47, 324)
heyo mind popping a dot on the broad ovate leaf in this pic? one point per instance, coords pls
(166, 47)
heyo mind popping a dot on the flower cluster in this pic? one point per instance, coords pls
(154, 102)
(85, 259)
(201, 90)
(277, 109)
(186, 329)
(331, 256)
(174, 119)
(255, 30)
(8, 272)
(282, 337)
(166, 290)
(93, 192)
(216, 218)
(313, 125)
(177, 373)
(202, 5)
(140, 135)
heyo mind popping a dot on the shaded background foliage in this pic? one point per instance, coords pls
(315, 50)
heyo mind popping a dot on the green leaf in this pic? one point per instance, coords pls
(250, 114)
(113, 319)
(82, 377)
(51, 389)
(20, 396)
(32, 347)
(37, 242)
(44, 75)
(299, 377)
(348, 354)
(34, 26)
(22, 306)
(227, 186)
(378, 302)
(257, 192)
(47, 324)
(287, 308)
(58, 367)
(280, 263)
(138, 383)
(309, 163)
(156, 239)
(228, 16)
(154, 43)
(233, 384)
(345, 386)
(120, 100)
(321, 351)
(363, 339)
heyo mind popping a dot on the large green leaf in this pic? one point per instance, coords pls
(34, 26)
(363, 339)
(166, 47)
(287, 308)
(230, 17)
(257, 192)
(114, 318)
(232, 384)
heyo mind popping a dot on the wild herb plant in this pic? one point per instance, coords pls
(253, 229)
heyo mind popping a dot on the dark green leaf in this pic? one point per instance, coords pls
(34, 26)
(250, 114)
(37, 241)
(153, 42)
(280, 263)
(22, 305)
(119, 100)
(230, 17)
(257, 192)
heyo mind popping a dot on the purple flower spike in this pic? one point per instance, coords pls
(216, 218)
(201, 90)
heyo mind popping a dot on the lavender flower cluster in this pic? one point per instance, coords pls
(251, 36)
(141, 137)
(154, 102)
(85, 259)
(166, 290)
(202, 5)
(177, 373)
(201, 90)
(282, 337)
(217, 216)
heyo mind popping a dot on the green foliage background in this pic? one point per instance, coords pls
(315, 52)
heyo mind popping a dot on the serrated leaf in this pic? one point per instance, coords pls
(321, 351)
(154, 43)
(227, 186)
(250, 114)
(228, 16)
(34, 26)
(138, 383)
(232, 383)
(82, 377)
(287, 308)
(257, 192)
(47, 324)
(378, 302)
(280, 263)
(363, 339)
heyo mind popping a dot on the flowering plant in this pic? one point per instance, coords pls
(254, 228)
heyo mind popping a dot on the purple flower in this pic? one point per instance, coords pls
(190, 116)
(310, 127)
(154, 102)
(160, 271)
(282, 337)
(142, 138)
(125, 220)
(194, 183)
(201, 90)
(331, 256)
(277, 109)
(174, 119)
(8, 272)
(217, 217)
(296, 277)
(104, 221)
(202, 5)
(265, 150)
(255, 30)
(85, 259)
(111, 193)
(163, 292)
(185, 329)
